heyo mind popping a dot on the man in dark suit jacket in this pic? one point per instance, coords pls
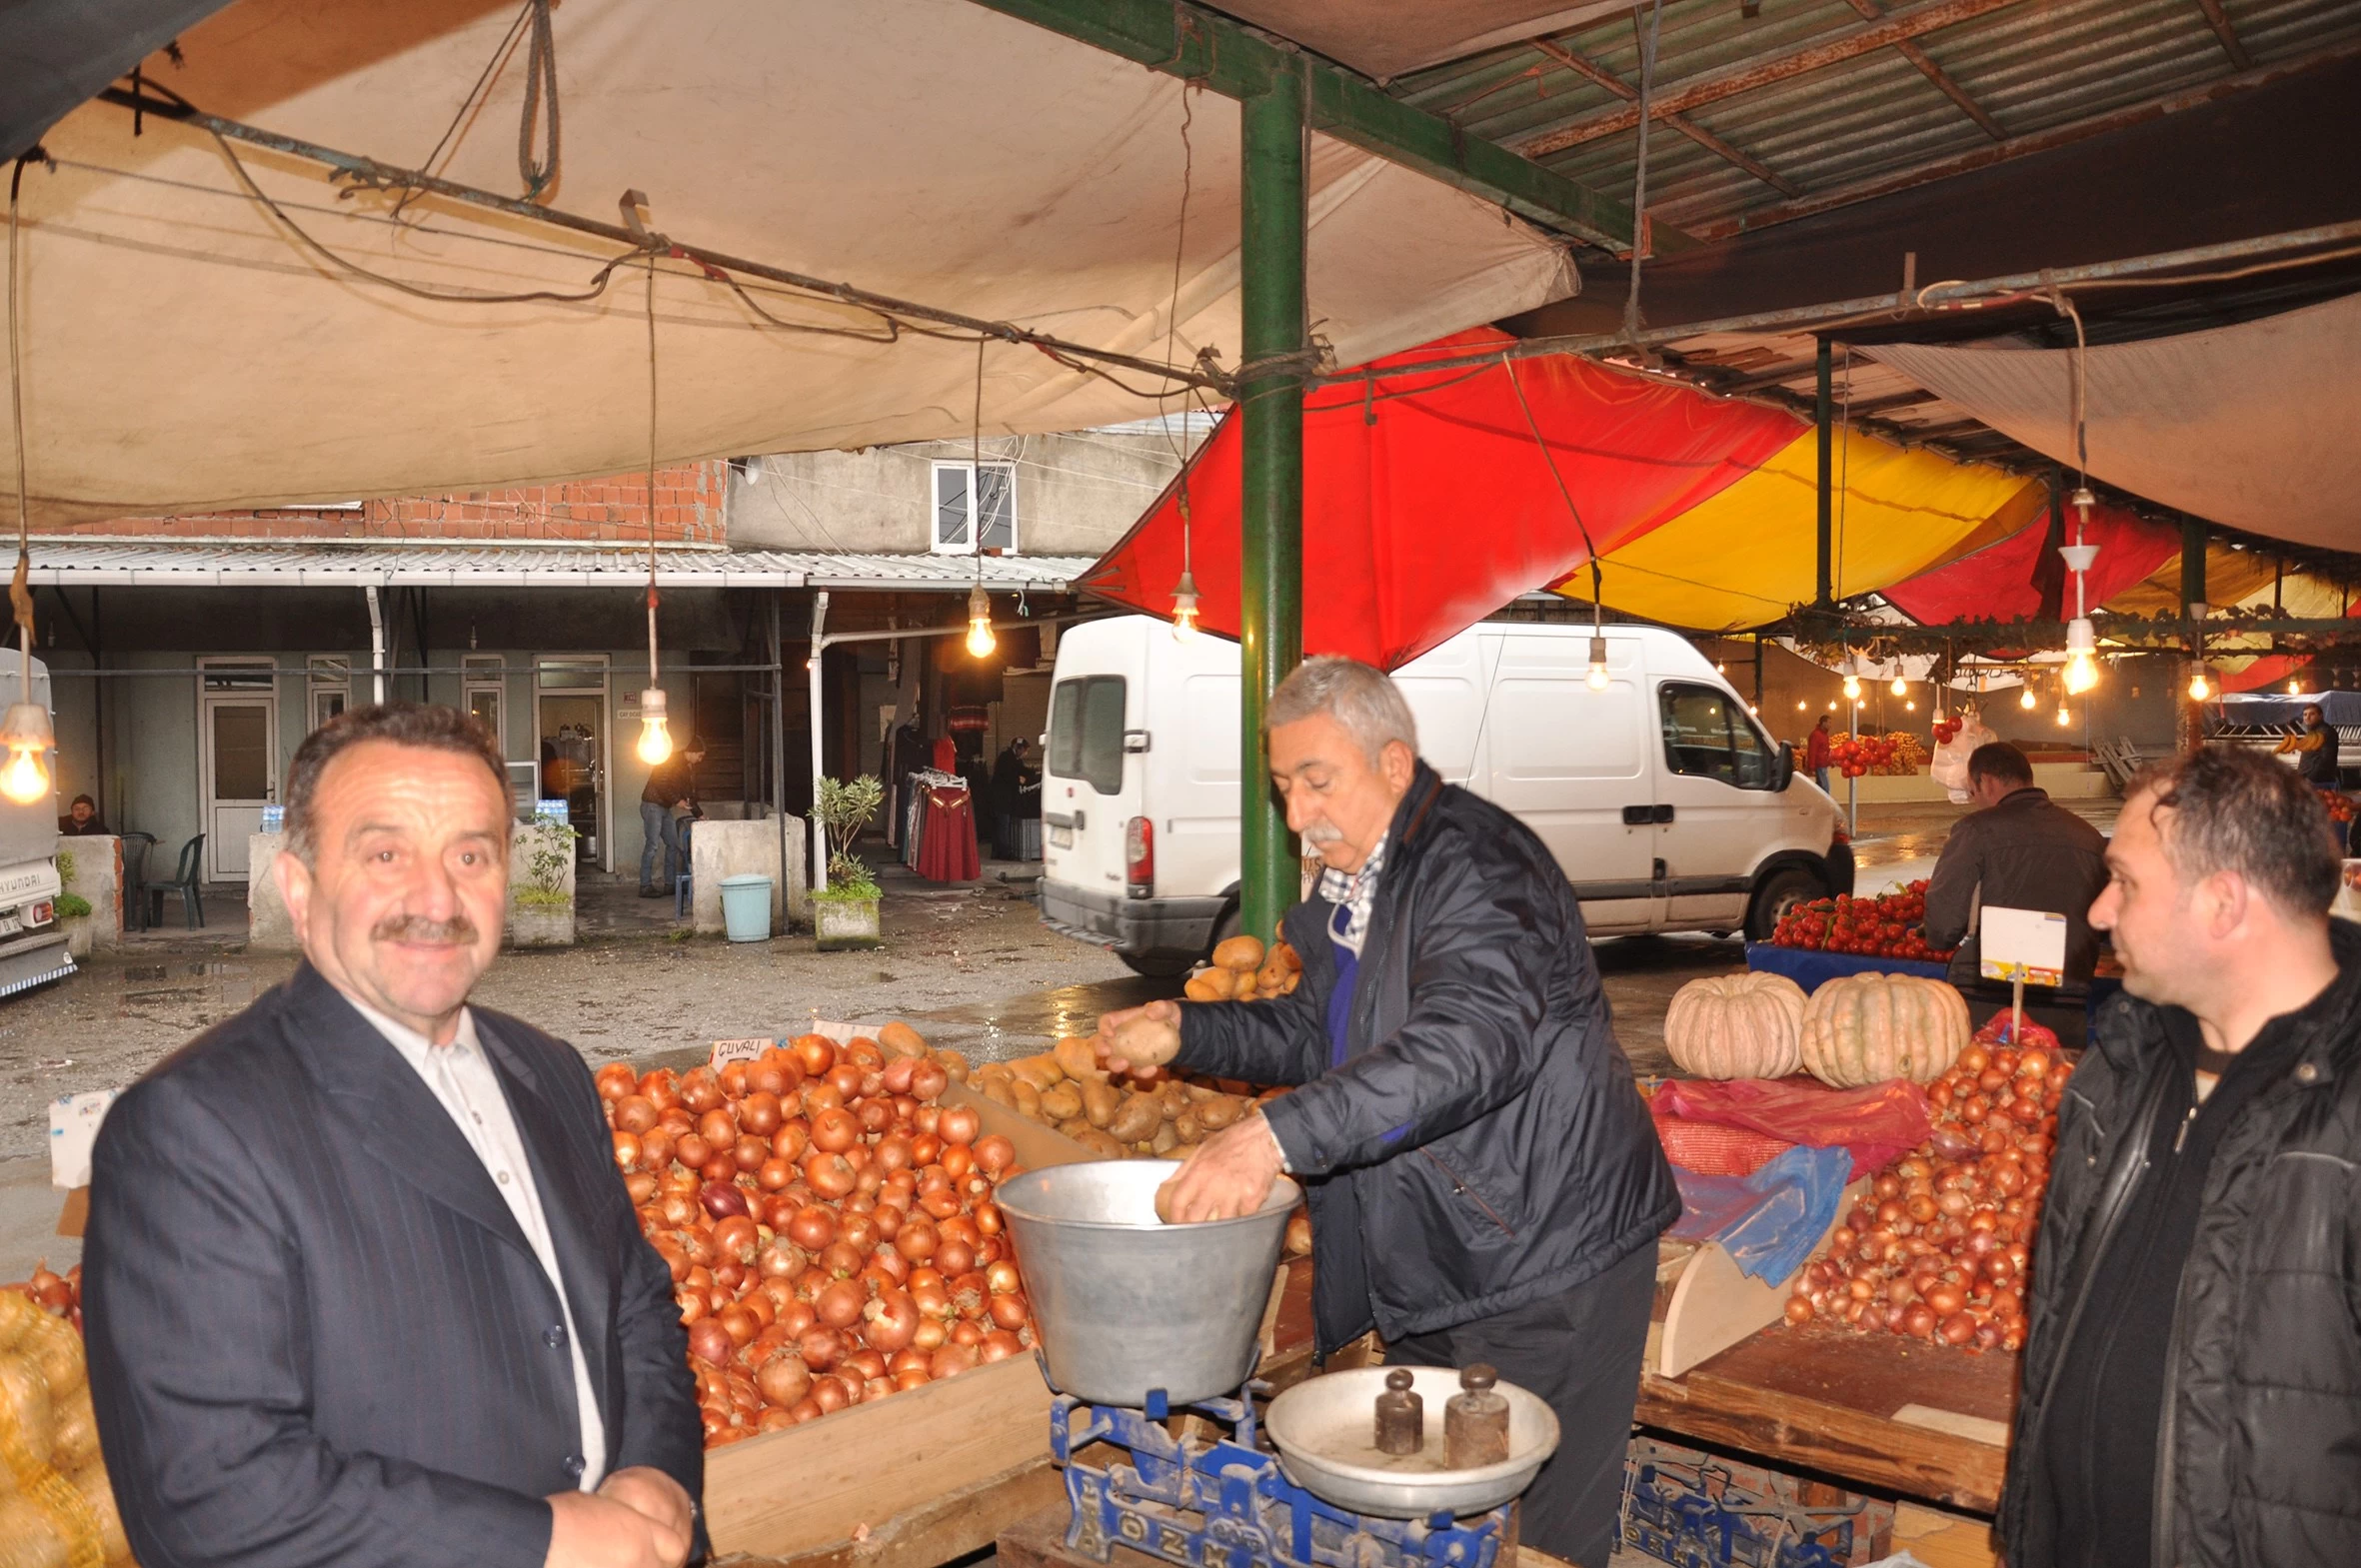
(362, 1285)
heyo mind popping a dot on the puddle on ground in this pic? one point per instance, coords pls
(215, 989)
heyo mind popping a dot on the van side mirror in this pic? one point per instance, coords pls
(1784, 771)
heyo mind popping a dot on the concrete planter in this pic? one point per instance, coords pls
(843, 924)
(81, 935)
(541, 926)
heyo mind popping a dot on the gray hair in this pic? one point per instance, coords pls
(2238, 811)
(1362, 700)
(430, 727)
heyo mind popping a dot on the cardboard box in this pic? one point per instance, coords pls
(1700, 1510)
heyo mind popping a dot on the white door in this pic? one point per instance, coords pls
(1090, 787)
(1571, 763)
(238, 744)
(1715, 812)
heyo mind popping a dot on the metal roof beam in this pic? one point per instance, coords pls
(1728, 81)
(1942, 78)
(1591, 70)
(2219, 21)
(1211, 50)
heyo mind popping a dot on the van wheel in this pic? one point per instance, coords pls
(1779, 892)
(1163, 969)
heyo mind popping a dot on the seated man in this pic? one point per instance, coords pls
(2018, 851)
(2314, 747)
(81, 819)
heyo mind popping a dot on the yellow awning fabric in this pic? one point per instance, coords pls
(1749, 554)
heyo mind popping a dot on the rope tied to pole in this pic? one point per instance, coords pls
(541, 80)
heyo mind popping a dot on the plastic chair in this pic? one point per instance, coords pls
(183, 880)
(135, 868)
(683, 892)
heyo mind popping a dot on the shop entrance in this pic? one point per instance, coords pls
(238, 744)
(571, 702)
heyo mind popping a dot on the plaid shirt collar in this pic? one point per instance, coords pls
(1356, 895)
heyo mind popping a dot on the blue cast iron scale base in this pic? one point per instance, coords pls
(1224, 1503)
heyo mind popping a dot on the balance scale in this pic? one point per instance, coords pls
(1231, 1503)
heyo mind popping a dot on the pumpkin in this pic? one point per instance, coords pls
(1736, 1026)
(1866, 1029)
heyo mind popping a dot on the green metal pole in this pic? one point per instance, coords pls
(1275, 326)
(1824, 417)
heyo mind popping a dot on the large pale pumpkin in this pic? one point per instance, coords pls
(1736, 1026)
(1866, 1029)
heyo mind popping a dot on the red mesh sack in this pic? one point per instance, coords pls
(1713, 1150)
(1876, 1123)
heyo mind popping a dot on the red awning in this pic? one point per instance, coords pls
(1428, 504)
(2004, 580)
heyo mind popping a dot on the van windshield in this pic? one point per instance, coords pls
(1087, 732)
(1708, 735)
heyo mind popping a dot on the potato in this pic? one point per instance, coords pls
(1209, 985)
(900, 1039)
(75, 1437)
(1100, 1102)
(1185, 1127)
(1101, 1144)
(1288, 987)
(1220, 1111)
(1180, 1151)
(28, 1537)
(1165, 1138)
(1172, 1098)
(1028, 1100)
(994, 1072)
(1285, 954)
(1078, 1057)
(1139, 1118)
(997, 1091)
(1075, 1129)
(91, 1482)
(1244, 953)
(1041, 1071)
(1272, 977)
(1198, 1092)
(954, 1063)
(1062, 1104)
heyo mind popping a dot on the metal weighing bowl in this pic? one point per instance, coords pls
(1127, 1303)
(1325, 1432)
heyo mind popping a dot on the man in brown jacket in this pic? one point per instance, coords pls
(2017, 850)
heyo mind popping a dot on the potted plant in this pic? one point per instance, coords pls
(541, 886)
(845, 913)
(73, 911)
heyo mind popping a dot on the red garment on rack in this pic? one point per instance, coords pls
(946, 755)
(946, 838)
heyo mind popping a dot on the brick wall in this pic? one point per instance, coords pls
(687, 511)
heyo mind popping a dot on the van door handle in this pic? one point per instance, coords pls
(1664, 813)
(1638, 816)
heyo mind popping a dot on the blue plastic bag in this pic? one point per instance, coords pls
(1769, 1221)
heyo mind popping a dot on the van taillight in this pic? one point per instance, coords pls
(1139, 858)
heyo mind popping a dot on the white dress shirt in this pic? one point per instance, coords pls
(465, 1083)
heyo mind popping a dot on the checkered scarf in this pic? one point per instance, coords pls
(1355, 893)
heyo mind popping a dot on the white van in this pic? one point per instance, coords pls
(1667, 805)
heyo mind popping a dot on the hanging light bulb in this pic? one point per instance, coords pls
(1909, 707)
(1801, 706)
(2065, 717)
(656, 741)
(1901, 688)
(2026, 701)
(980, 639)
(2082, 666)
(1832, 707)
(2199, 687)
(1852, 685)
(1597, 678)
(1184, 608)
(2295, 688)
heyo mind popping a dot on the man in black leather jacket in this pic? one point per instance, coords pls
(1484, 1180)
(2191, 1386)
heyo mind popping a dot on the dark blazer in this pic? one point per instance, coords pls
(317, 1334)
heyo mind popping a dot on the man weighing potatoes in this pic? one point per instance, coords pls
(1484, 1180)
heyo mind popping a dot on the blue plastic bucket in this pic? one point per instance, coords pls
(746, 908)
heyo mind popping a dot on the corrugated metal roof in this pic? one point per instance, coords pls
(215, 563)
(2028, 66)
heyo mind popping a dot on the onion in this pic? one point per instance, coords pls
(722, 1200)
(656, 1146)
(709, 1343)
(1010, 1309)
(626, 1150)
(692, 1150)
(735, 1235)
(830, 1176)
(1799, 1311)
(999, 1345)
(821, 1096)
(927, 1081)
(951, 1360)
(833, 1131)
(844, 1077)
(700, 1090)
(875, 1115)
(1958, 1328)
(890, 1321)
(634, 1114)
(820, 1346)
(916, 1240)
(740, 1325)
(840, 1305)
(952, 1255)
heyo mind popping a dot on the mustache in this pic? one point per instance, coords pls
(1323, 832)
(457, 930)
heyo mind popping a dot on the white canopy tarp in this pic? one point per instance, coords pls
(2255, 427)
(183, 350)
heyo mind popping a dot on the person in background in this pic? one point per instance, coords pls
(1014, 777)
(2314, 747)
(2190, 1390)
(365, 1286)
(2017, 850)
(1484, 1182)
(671, 795)
(1816, 755)
(81, 819)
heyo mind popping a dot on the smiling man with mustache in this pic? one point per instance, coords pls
(362, 1284)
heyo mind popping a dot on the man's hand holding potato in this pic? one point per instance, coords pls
(1138, 1041)
(1229, 1175)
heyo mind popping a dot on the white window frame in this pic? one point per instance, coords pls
(330, 675)
(485, 673)
(965, 546)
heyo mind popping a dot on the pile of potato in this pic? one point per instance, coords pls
(1242, 971)
(1065, 1088)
